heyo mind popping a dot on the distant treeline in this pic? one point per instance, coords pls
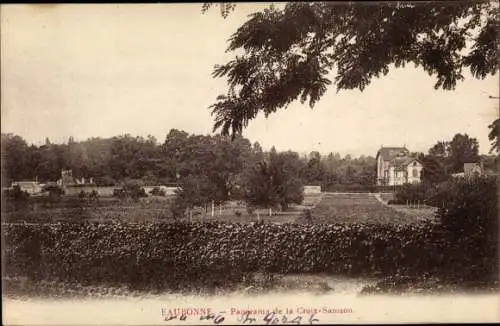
(116, 160)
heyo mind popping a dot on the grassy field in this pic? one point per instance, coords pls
(105, 209)
(420, 212)
(386, 196)
(357, 208)
(326, 208)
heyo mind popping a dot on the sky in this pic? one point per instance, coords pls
(104, 70)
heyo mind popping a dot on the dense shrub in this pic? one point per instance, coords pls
(88, 197)
(105, 181)
(355, 187)
(130, 191)
(157, 191)
(173, 255)
(14, 199)
(470, 220)
(54, 191)
(412, 193)
(82, 195)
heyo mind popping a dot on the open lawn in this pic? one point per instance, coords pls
(386, 196)
(71, 209)
(326, 208)
(357, 208)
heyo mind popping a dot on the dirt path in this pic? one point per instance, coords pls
(377, 197)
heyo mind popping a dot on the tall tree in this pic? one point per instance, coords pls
(275, 181)
(15, 155)
(454, 153)
(285, 171)
(463, 149)
(440, 149)
(288, 53)
(433, 170)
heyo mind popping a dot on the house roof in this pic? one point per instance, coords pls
(402, 162)
(390, 153)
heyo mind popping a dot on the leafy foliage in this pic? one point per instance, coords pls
(225, 8)
(157, 191)
(130, 191)
(433, 170)
(178, 255)
(289, 53)
(470, 219)
(450, 156)
(410, 193)
(275, 181)
(14, 199)
(494, 136)
(54, 191)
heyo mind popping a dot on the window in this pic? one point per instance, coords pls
(415, 173)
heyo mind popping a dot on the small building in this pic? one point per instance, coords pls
(312, 189)
(395, 166)
(473, 169)
(67, 180)
(31, 187)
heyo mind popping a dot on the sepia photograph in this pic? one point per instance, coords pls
(242, 163)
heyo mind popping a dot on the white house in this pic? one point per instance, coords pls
(395, 166)
(31, 187)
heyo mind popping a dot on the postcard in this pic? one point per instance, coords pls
(293, 163)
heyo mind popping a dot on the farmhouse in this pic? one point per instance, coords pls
(395, 166)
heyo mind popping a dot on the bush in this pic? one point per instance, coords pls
(470, 220)
(94, 195)
(157, 191)
(130, 191)
(105, 181)
(15, 199)
(354, 187)
(176, 255)
(54, 191)
(412, 193)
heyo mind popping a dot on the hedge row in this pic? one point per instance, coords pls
(356, 188)
(175, 255)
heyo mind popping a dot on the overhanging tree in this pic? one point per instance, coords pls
(289, 53)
